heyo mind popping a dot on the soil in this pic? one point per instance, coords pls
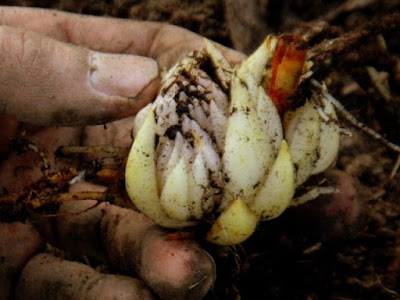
(299, 256)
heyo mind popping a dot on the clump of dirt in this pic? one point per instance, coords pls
(289, 258)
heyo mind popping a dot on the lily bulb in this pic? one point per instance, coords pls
(214, 148)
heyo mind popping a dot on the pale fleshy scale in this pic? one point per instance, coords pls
(219, 122)
(188, 152)
(330, 137)
(197, 113)
(183, 97)
(166, 116)
(210, 89)
(313, 136)
(222, 67)
(205, 145)
(139, 119)
(176, 153)
(256, 64)
(174, 197)
(140, 175)
(208, 202)
(248, 152)
(198, 184)
(220, 147)
(303, 136)
(205, 107)
(278, 189)
(164, 150)
(270, 119)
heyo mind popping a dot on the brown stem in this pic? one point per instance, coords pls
(388, 23)
(68, 150)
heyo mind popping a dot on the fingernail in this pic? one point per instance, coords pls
(120, 74)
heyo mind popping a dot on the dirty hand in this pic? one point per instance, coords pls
(59, 69)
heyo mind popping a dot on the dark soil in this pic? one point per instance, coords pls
(298, 256)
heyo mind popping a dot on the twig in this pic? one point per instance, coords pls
(316, 247)
(377, 80)
(353, 121)
(348, 6)
(67, 214)
(31, 201)
(313, 194)
(40, 200)
(348, 40)
(21, 142)
(395, 168)
(68, 150)
(386, 289)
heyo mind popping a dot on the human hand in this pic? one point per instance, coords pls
(64, 69)
(78, 69)
(126, 240)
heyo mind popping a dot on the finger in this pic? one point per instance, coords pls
(165, 43)
(9, 128)
(19, 242)
(117, 133)
(23, 166)
(334, 215)
(68, 85)
(48, 277)
(173, 269)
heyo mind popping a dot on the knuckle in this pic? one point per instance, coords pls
(30, 48)
(21, 48)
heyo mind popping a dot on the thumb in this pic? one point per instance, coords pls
(47, 82)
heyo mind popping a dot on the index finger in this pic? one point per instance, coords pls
(165, 43)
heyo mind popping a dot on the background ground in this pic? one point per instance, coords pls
(289, 258)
